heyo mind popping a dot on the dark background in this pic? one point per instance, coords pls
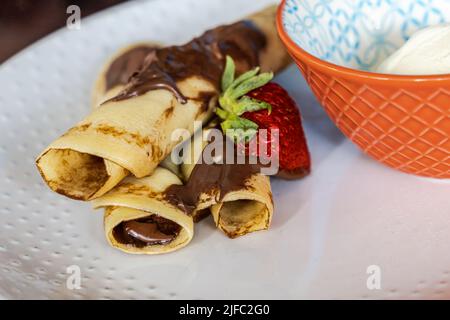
(22, 22)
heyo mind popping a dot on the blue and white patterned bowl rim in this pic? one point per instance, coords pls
(358, 34)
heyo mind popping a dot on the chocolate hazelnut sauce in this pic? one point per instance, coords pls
(203, 56)
(127, 64)
(222, 178)
(152, 230)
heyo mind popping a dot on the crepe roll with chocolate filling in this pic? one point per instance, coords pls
(238, 195)
(115, 75)
(139, 220)
(176, 86)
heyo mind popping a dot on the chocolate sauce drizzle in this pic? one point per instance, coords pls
(222, 178)
(126, 65)
(203, 57)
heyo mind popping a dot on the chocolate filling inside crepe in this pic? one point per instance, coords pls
(139, 220)
(151, 230)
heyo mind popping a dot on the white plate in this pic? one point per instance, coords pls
(351, 213)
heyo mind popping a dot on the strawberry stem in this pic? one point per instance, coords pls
(228, 75)
(234, 102)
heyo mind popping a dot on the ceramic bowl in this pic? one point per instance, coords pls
(401, 121)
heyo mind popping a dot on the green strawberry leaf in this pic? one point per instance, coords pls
(251, 84)
(226, 103)
(239, 129)
(244, 77)
(223, 114)
(228, 75)
(247, 104)
(234, 102)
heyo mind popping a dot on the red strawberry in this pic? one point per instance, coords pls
(249, 103)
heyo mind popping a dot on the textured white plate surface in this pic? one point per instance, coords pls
(351, 213)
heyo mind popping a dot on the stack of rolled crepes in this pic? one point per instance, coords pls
(116, 155)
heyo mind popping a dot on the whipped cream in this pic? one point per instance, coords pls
(427, 52)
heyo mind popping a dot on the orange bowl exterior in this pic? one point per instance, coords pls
(401, 121)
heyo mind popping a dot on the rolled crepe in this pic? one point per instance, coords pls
(246, 210)
(238, 195)
(114, 76)
(177, 86)
(128, 227)
(139, 220)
